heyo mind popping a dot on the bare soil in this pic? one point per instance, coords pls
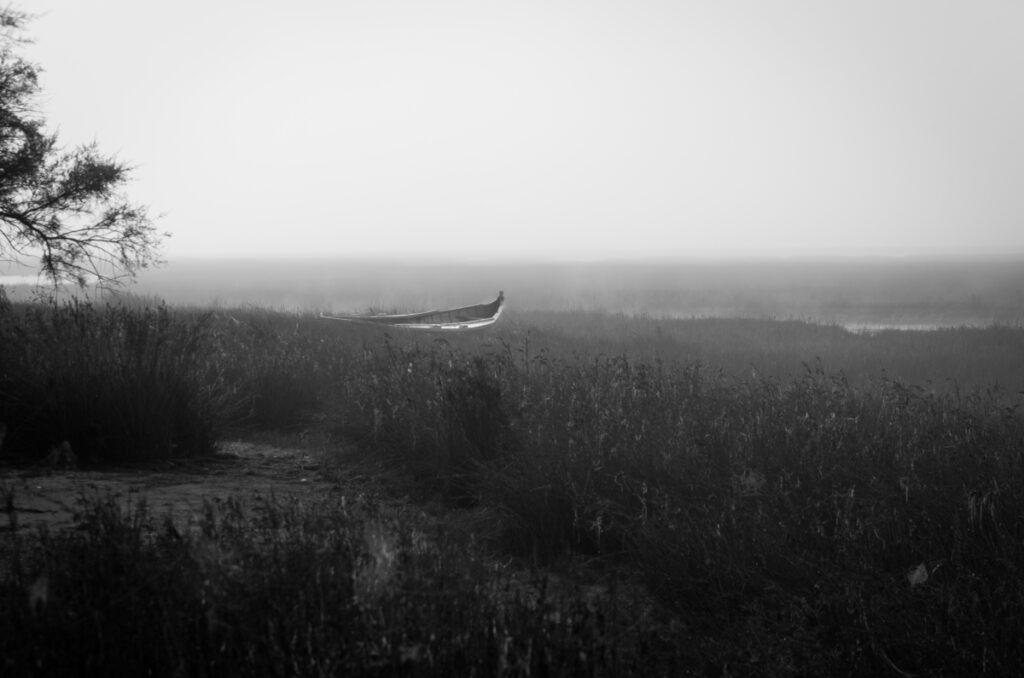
(39, 497)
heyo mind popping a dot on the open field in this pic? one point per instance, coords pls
(576, 492)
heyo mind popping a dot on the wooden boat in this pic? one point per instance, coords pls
(452, 320)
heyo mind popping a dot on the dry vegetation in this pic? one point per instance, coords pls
(748, 498)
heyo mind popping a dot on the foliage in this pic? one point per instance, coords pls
(288, 588)
(63, 206)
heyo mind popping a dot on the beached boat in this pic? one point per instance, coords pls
(452, 320)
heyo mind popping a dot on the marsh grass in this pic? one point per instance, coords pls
(803, 503)
(295, 588)
(796, 518)
(118, 384)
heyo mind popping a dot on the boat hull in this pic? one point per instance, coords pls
(461, 319)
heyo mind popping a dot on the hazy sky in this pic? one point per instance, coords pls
(551, 127)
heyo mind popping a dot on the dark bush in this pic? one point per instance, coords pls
(116, 383)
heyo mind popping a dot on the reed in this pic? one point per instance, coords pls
(116, 383)
(313, 588)
(832, 516)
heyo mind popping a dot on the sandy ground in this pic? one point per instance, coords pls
(36, 497)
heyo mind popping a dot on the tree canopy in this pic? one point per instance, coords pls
(64, 207)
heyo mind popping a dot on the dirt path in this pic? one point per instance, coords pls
(40, 497)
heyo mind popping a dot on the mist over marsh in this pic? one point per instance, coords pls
(855, 293)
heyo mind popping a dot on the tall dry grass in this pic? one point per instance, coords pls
(117, 383)
(831, 519)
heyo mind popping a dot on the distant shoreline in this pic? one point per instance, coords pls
(864, 295)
